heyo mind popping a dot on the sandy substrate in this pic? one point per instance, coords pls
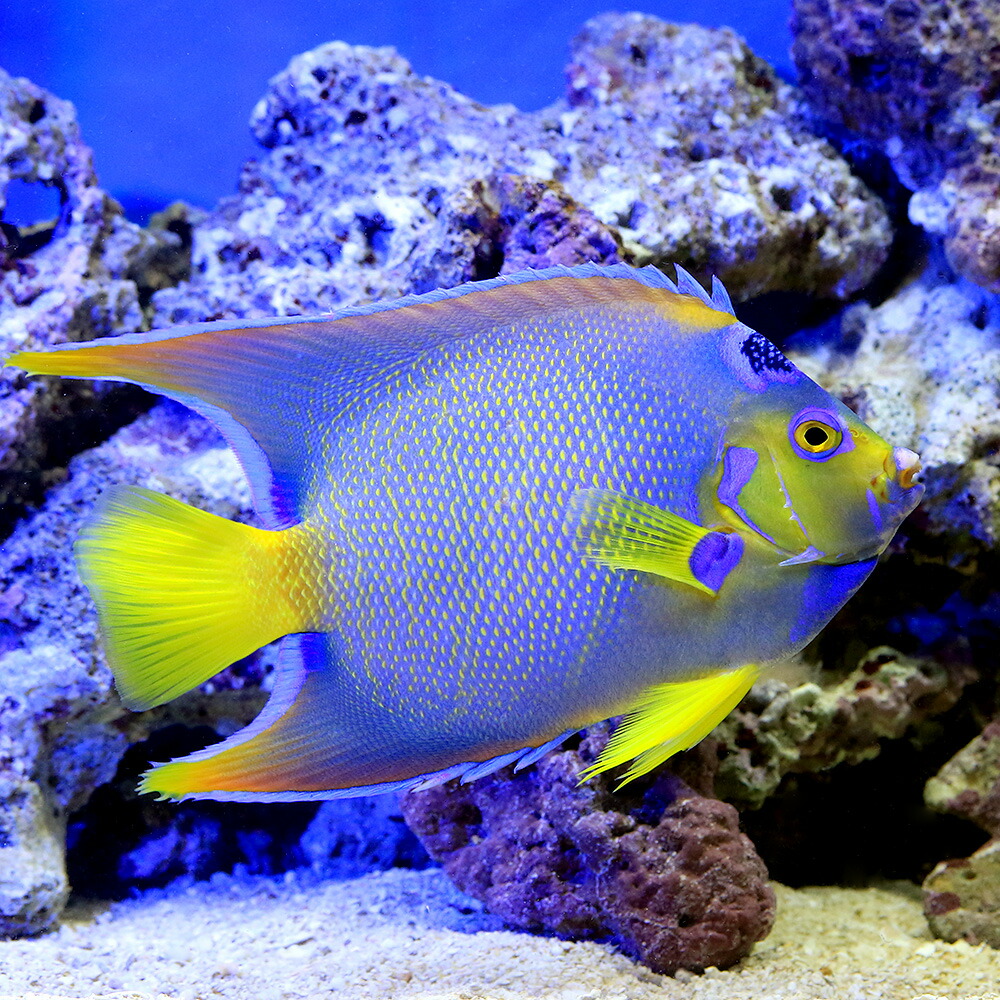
(404, 934)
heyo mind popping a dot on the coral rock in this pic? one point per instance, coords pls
(969, 784)
(687, 142)
(914, 74)
(33, 888)
(922, 79)
(780, 729)
(661, 871)
(962, 898)
(71, 277)
(376, 182)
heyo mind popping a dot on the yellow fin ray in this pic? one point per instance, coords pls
(672, 717)
(620, 532)
(182, 593)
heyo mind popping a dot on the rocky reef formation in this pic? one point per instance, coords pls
(673, 143)
(376, 182)
(662, 871)
(921, 78)
(786, 728)
(962, 897)
(82, 273)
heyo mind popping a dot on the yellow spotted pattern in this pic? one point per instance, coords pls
(444, 499)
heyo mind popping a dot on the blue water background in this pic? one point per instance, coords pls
(164, 88)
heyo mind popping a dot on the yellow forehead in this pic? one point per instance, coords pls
(691, 313)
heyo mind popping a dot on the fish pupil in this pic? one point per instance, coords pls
(816, 437)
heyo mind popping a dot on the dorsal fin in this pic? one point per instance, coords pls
(687, 285)
(720, 297)
(275, 387)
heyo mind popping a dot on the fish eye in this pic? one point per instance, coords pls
(816, 434)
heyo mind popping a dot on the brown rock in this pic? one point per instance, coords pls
(661, 871)
(962, 898)
(969, 784)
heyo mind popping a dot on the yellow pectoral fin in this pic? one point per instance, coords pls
(617, 531)
(672, 717)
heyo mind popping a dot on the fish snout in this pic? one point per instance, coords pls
(903, 466)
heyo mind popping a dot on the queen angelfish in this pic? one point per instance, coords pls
(491, 516)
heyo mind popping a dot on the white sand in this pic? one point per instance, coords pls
(403, 934)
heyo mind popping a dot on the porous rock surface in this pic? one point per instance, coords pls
(782, 728)
(969, 784)
(674, 144)
(663, 872)
(73, 277)
(962, 897)
(921, 78)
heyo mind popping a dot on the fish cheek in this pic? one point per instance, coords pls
(833, 500)
(748, 492)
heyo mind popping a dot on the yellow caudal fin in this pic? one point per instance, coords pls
(181, 593)
(672, 717)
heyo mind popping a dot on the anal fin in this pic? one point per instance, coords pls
(316, 740)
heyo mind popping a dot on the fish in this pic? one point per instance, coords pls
(489, 516)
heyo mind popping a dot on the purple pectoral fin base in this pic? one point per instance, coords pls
(715, 557)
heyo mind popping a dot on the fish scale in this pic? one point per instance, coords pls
(489, 620)
(492, 515)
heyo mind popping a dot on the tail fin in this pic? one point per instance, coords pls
(181, 593)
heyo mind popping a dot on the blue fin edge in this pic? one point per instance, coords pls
(465, 772)
(290, 670)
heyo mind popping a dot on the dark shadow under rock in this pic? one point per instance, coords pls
(660, 870)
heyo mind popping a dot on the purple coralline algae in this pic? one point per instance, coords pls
(662, 871)
(921, 78)
(962, 896)
(969, 784)
(78, 275)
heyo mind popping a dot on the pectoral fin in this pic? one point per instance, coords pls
(617, 531)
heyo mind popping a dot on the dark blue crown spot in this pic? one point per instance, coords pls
(763, 356)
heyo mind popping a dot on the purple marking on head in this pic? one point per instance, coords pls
(828, 417)
(715, 557)
(738, 466)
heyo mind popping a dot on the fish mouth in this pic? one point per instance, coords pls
(899, 486)
(907, 467)
(893, 495)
